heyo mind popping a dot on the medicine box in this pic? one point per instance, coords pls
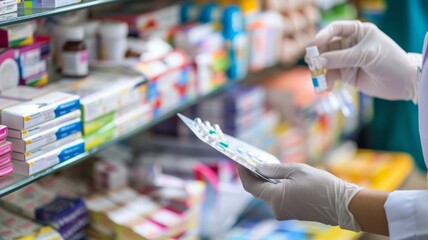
(40, 110)
(118, 127)
(5, 159)
(46, 137)
(4, 9)
(96, 124)
(3, 133)
(102, 93)
(5, 148)
(16, 227)
(48, 3)
(38, 80)
(21, 134)
(17, 35)
(25, 201)
(46, 148)
(50, 159)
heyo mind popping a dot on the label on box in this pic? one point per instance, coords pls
(40, 110)
(44, 126)
(46, 137)
(8, 8)
(46, 148)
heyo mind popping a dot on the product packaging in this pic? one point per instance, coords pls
(9, 70)
(6, 103)
(51, 135)
(13, 226)
(50, 159)
(17, 35)
(109, 118)
(40, 110)
(49, 3)
(147, 23)
(102, 93)
(5, 148)
(6, 170)
(3, 133)
(118, 127)
(109, 175)
(5, 159)
(22, 134)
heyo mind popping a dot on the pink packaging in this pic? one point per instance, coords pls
(5, 148)
(4, 160)
(6, 170)
(3, 133)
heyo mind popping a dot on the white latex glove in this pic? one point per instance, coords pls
(363, 56)
(306, 193)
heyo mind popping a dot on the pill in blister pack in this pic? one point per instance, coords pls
(237, 150)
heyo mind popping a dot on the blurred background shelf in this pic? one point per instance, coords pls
(16, 181)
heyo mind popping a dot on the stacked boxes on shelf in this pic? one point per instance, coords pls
(171, 81)
(6, 166)
(8, 8)
(68, 216)
(208, 52)
(300, 20)
(238, 113)
(112, 104)
(30, 54)
(151, 214)
(44, 131)
(13, 226)
(46, 3)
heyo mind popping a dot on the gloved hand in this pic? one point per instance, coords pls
(363, 56)
(306, 193)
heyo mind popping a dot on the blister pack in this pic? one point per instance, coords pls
(239, 151)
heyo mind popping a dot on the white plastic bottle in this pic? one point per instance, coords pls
(113, 41)
(318, 71)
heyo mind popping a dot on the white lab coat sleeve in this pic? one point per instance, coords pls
(407, 214)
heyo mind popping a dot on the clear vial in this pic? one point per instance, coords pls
(317, 70)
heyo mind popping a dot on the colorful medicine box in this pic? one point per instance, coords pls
(22, 134)
(3, 133)
(17, 35)
(40, 110)
(46, 148)
(51, 135)
(50, 159)
(48, 3)
(5, 148)
(102, 93)
(118, 127)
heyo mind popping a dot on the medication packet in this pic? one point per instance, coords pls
(317, 70)
(239, 151)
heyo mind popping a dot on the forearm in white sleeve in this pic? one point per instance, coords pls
(407, 214)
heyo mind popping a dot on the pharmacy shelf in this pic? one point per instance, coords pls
(27, 14)
(14, 182)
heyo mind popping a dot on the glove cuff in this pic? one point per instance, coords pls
(415, 61)
(346, 219)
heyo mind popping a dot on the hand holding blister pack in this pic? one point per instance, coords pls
(239, 151)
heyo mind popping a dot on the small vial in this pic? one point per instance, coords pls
(317, 70)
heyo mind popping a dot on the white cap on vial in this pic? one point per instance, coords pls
(74, 33)
(312, 52)
(113, 29)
